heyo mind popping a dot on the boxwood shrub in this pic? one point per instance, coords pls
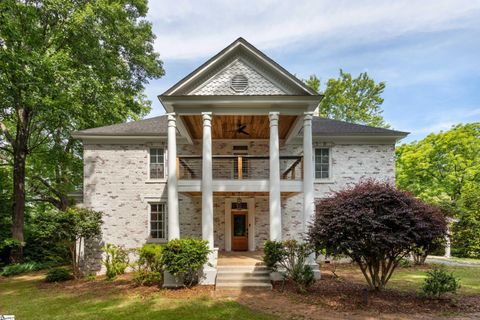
(183, 258)
(58, 275)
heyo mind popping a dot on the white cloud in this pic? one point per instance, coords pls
(192, 29)
(439, 121)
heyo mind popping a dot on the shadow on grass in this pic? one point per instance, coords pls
(24, 299)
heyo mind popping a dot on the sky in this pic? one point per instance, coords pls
(426, 51)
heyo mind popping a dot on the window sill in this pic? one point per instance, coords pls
(324, 181)
(152, 181)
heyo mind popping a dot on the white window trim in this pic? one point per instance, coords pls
(330, 166)
(157, 180)
(157, 240)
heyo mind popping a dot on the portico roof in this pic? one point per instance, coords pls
(250, 57)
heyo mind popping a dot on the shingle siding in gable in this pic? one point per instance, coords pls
(220, 84)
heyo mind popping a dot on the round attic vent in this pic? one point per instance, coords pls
(239, 83)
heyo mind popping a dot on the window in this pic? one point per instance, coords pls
(322, 163)
(158, 221)
(157, 163)
(239, 205)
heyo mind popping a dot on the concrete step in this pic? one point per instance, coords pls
(242, 269)
(239, 277)
(241, 285)
(244, 275)
(243, 279)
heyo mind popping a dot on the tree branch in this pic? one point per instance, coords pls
(49, 187)
(6, 133)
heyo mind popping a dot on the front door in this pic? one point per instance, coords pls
(240, 230)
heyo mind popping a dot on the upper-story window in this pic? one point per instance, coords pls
(322, 163)
(157, 163)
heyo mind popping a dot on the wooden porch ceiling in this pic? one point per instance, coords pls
(225, 127)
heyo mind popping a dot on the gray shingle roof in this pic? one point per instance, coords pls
(157, 126)
(328, 127)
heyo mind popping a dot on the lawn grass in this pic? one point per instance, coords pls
(22, 297)
(463, 260)
(412, 278)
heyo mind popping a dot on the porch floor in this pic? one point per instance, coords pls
(240, 258)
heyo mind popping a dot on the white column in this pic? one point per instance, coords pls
(209, 270)
(308, 187)
(308, 174)
(172, 185)
(207, 193)
(275, 207)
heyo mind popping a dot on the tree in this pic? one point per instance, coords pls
(74, 227)
(313, 82)
(376, 225)
(438, 167)
(356, 100)
(67, 65)
(466, 229)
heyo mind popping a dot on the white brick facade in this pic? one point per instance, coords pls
(116, 182)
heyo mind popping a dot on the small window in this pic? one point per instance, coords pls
(157, 163)
(239, 205)
(158, 221)
(322, 163)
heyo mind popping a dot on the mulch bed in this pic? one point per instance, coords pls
(328, 297)
(347, 294)
(124, 285)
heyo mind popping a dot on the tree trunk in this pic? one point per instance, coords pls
(20, 151)
(18, 212)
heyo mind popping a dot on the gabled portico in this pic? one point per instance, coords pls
(239, 95)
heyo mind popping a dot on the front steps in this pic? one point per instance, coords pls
(242, 277)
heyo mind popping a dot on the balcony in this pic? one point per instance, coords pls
(227, 167)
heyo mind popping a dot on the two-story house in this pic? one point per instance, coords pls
(238, 158)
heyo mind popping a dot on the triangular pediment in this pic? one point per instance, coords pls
(240, 69)
(251, 82)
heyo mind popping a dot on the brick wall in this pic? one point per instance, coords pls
(116, 182)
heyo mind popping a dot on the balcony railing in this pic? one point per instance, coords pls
(239, 167)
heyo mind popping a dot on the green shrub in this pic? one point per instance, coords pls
(58, 275)
(43, 236)
(91, 277)
(183, 258)
(404, 263)
(115, 260)
(302, 275)
(19, 268)
(150, 255)
(290, 257)
(273, 253)
(149, 265)
(144, 277)
(439, 282)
